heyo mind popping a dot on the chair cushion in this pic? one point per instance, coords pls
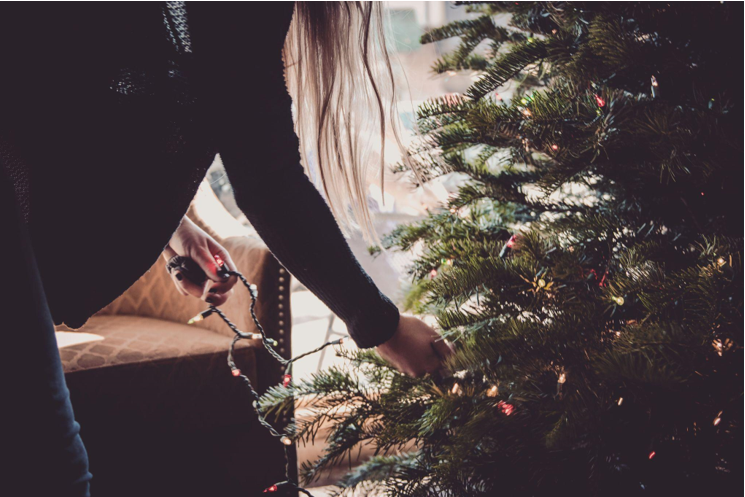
(113, 340)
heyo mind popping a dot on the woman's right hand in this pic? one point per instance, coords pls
(191, 241)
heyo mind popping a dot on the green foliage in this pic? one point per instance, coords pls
(601, 355)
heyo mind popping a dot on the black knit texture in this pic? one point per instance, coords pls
(112, 114)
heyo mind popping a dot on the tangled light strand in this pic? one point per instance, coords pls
(269, 344)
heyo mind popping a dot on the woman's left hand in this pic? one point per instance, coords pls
(415, 349)
(191, 241)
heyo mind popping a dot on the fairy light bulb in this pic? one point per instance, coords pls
(542, 283)
(493, 391)
(600, 101)
(456, 389)
(432, 274)
(721, 261)
(286, 379)
(200, 317)
(218, 260)
(273, 488)
(338, 342)
(652, 454)
(235, 371)
(562, 378)
(453, 210)
(619, 300)
(255, 336)
(285, 440)
(511, 241)
(507, 409)
(554, 147)
(620, 400)
(654, 82)
(527, 113)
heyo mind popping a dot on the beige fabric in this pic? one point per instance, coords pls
(113, 340)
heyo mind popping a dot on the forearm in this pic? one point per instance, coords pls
(298, 227)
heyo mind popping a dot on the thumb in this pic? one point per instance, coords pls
(207, 262)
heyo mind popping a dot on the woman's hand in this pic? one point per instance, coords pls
(191, 241)
(415, 349)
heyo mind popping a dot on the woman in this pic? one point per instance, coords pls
(112, 113)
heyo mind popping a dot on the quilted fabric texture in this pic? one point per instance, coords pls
(116, 340)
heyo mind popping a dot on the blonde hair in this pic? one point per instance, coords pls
(339, 75)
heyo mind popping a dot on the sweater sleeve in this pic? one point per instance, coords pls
(260, 150)
(294, 221)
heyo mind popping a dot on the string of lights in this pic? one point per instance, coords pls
(269, 344)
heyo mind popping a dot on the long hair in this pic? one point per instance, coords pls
(339, 75)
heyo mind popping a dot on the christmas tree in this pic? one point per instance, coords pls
(589, 272)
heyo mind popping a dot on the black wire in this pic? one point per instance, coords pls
(240, 335)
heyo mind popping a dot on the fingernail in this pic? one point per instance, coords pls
(179, 276)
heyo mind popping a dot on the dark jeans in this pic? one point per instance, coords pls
(40, 446)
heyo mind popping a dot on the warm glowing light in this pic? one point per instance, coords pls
(600, 101)
(511, 241)
(286, 379)
(619, 300)
(255, 336)
(718, 346)
(219, 261)
(236, 372)
(541, 283)
(562, 378)
(195, 319)
(506, 408)
(273, 488)
(453, 210)
(717, 421)
(652, 454)
(654, 82)
(620, 401)
(554, 147)
(456, 389)
(493, 391)
(432, 273)
(452, 73)
(286, 440)
(527, 112)
(721, 261)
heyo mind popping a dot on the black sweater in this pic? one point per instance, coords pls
(112, 113)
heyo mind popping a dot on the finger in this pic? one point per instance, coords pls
(204, 259)
(217, 249)
(189, 286)
(218, 299)
(174, 278)
(221, 287)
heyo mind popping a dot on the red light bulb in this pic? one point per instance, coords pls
(506, 408)
(286, 380)
(554, 147)
(219, 261)
(236, 372)
(600, 101)
(652, 454)
(511, 241)
(273, 488)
